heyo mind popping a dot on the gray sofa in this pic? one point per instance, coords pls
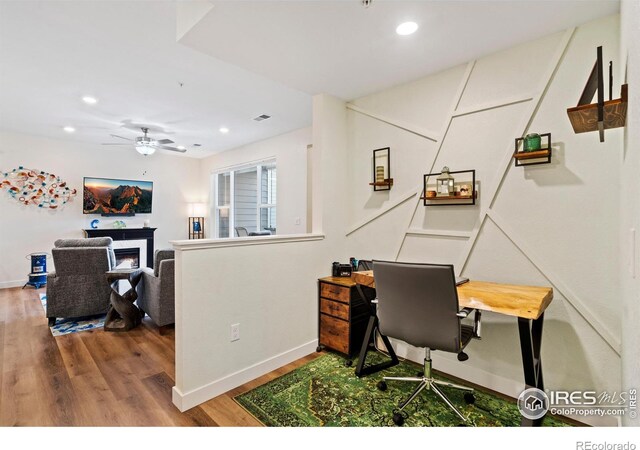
(156, 292)
(78, 287)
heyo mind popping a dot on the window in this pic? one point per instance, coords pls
(246, 200)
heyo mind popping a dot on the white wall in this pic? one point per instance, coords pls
(290, 153)
(630, 212)
(267, 284)
(554, 225)
(27, 229)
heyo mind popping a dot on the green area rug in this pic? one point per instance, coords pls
(324, 392)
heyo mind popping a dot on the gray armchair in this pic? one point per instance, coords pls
(78, 286)
(156, 293)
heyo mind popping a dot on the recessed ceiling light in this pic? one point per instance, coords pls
(181, 147)
(69, 129)
(224, 130)
(89, 100)
(406, 28)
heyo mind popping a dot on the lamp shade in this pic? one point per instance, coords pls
(198, 209)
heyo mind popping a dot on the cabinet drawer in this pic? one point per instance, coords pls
(336, 309)
(340, 293)
(334, 333)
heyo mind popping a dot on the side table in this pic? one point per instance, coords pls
(123, 315)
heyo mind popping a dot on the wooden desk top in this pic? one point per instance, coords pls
(342, 281)
(528, 302)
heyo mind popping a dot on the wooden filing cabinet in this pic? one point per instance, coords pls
(342, 314)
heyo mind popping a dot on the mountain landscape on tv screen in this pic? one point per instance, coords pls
(120, 200)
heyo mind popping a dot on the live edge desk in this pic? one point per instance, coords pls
(527, 303)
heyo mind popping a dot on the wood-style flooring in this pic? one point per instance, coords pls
(97, 378)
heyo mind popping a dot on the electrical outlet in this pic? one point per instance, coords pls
(235, 332)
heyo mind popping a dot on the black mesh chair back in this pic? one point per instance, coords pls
(418, 304)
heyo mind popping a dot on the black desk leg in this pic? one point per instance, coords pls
(368, 337)
(530, 344)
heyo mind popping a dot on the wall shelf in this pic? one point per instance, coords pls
(584, 118)
(387, 182)
(535, 157)
(382, 180)
(600, 116)
(451, 197)
(451, 200)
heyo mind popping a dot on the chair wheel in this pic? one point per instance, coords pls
(462, 356)
(382, 385)
(398, 419)
(469, 398)
(318, 348)
(348, 363)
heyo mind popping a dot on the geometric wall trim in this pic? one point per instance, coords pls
(536, 98)
(581, 307)
(411, 128)
(472, 110)
(400, 200)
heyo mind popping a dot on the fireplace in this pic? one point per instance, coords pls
(127, 257)
(127, 238)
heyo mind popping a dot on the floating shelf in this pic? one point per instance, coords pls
(452, 197)
(532, 158)
(584, 118)
(382, 180)
(387, 182)
(451, 200)
(532, 155)
(602, 115)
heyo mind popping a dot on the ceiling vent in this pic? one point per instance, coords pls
(262, 117)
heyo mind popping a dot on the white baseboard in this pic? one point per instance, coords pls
(185, 401)
(12, 284)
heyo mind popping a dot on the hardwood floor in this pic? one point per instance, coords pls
(97, 378)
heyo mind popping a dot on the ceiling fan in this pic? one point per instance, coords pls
(147, 146)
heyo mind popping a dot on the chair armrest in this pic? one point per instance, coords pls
(464, 313)
(477, 324)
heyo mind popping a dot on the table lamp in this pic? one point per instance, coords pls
(197, 213)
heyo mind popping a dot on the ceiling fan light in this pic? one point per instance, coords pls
(145, 149)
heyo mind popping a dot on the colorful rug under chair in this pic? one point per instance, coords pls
(66, 326)
(324, 392)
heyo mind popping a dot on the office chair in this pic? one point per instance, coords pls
(418, 304)
(242, 232)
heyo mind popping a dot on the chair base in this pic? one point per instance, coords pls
(429, 383)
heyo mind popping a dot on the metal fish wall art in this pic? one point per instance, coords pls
(36, 187)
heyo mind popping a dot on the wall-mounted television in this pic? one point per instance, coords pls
(109, 196)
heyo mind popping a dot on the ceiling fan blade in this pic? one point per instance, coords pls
(173, 149)
(112, 143)
(120, 137)
(165, 141)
